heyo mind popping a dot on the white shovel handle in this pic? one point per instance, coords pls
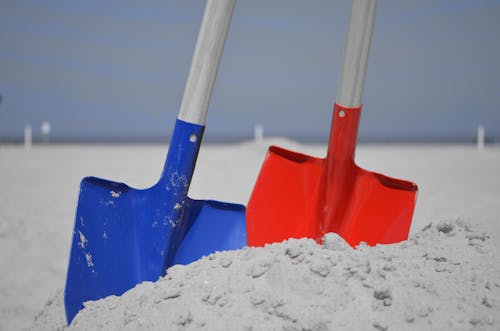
(356, 52)
(207, 55)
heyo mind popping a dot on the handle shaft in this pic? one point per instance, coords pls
(205, 64)
(356, 52)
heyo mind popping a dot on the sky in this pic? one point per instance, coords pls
(116, 70)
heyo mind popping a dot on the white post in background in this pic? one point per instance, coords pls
(480, 137)
(27, 137)
(258, 133)
(45, 128)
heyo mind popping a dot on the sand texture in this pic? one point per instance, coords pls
(443, 278)
(439, 279)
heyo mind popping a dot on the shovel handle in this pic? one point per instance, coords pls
(356, 52)
(204, 66)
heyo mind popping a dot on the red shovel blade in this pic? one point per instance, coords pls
(299, 196)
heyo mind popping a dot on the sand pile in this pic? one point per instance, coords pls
(444, 277)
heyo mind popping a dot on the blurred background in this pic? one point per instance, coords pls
(114, 71)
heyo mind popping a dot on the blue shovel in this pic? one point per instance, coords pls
(124, 236)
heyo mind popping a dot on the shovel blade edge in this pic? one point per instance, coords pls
(283, 198)
(215, 226)
(379, 210)
(102, 258)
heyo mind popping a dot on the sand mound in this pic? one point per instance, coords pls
(444, 277)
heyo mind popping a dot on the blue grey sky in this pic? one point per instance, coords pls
(115, 69)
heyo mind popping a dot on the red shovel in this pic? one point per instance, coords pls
(297, 195)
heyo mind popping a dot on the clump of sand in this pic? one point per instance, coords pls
(446, 276)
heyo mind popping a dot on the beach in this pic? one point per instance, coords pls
(458, 185)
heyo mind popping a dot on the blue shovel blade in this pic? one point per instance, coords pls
(215, 226)
(124, 236)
